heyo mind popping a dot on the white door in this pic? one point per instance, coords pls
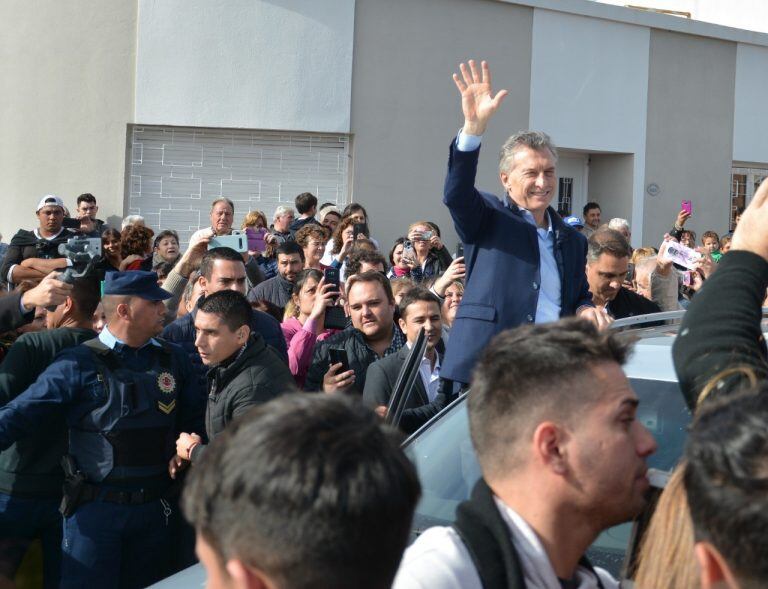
(571, 184)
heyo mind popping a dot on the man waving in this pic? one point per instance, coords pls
(524, 264)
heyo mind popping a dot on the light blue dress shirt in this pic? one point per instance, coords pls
(549, 300)
(109, 340)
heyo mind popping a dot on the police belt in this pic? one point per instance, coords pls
(121, 496)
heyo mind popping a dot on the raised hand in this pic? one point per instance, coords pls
(477, 99)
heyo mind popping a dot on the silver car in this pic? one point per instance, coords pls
(447, 467)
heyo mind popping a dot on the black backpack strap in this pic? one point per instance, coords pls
(584, 562)
(103, 354)
(489, 543)
(166, 356)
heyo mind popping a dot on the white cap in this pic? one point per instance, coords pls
(49, 200)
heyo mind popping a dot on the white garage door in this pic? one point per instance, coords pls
(175, 172)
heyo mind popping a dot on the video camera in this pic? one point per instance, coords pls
(84, 253)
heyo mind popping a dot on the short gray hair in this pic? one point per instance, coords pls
(618, 224)
(225, 200)
(132, 220)
(280, 211)
(537, 140)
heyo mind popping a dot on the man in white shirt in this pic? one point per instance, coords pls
(552, 421)
(419, 308)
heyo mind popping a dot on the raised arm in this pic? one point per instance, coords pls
(720, 346)
(478, 103)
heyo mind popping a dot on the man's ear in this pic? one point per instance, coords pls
(245, 577)
(714, 571)
(202, 282)
(402, 324)
(123, 309)
(503, 177)
(549, 446)
(243, 332)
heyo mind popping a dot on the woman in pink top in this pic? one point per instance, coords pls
(303, 321)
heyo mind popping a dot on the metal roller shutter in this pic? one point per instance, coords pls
(175, 172)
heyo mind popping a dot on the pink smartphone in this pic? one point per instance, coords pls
(687, 207)
(256, 239)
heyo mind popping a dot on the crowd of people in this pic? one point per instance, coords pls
(169, 379)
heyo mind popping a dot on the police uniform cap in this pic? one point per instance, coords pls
(137, 283)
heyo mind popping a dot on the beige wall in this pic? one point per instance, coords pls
(690, 131)
(68, 87)
(610, 184)
(406, 108)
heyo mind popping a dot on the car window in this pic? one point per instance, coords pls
(448, 469)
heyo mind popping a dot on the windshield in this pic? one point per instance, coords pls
(448, 469)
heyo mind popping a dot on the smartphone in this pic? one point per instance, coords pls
(339, 355)
(687, 206)
(256, 237)
(332, 276)
(335, 318)
(70, 223)
(237, 241)
(459, 251)
(408, 251)
(427, 235)
(630, 272)
(359, 228)
(688, 278)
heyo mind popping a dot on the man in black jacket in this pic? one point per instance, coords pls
(419, 309)
(277, 290)
(31, 476)
(373, 335)
(552, 419)
(32, 255)
(222, 268)
(242, 370)
(607, 266)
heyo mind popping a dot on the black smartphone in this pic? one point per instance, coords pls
(70, 223)
(339, 355)
(630, 272)
(335, 318)
(459, 251)
(332, 276)
(359, 228)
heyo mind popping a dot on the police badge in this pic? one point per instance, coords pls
(166, 383)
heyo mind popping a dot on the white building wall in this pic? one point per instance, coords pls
(751, 15)
(589, 88)
(750, 124)
(243, 63)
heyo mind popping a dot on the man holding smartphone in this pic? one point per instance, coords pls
(373, 335)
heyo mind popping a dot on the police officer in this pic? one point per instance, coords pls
(126, 396)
